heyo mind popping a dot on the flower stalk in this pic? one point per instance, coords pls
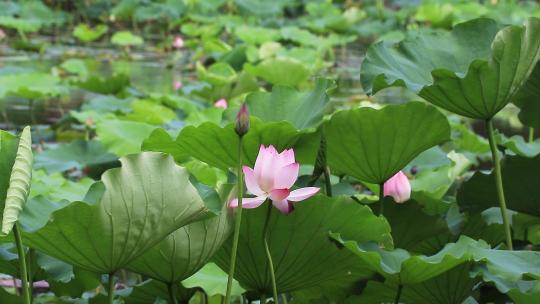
(499, 183)
(241, 128)
(110, 289)
(172, 293)
(268, 254)
(22, 265)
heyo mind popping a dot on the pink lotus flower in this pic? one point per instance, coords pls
(222, 103)
(177, 85)
(398, 187)
(178, 42)
(272, 177)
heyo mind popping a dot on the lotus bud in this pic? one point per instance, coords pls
(242, 121)
(177, 84)
(222, 103)
(178, 42)
(398, 187)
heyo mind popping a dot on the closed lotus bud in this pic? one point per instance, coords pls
(398, 187)
(242, 121)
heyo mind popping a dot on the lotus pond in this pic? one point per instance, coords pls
(250, 151)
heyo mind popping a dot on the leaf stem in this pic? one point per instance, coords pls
(263, 299)
(172, 293)
(268, 255)
(238, 222)
(398, 294)
(499, 183)
(327, 181)
(110, 289)
(531, 135)
(22, 264)
(381, 198)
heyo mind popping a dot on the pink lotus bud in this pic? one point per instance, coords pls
(177, 85)
(222, 103)
(398, 187)
(178, 42)
(242, 121)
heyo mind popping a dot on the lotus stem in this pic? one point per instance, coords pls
(22, 265)
(398, 294)
(531, 135)
(268, 255)
(29, 258)
(381, 199)
(327, 182)
(263, 299)
(284, 298)
(110, 289)
(172, 293)
(499, 183)
(238, 222)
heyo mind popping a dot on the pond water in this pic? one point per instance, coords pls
(149, 72)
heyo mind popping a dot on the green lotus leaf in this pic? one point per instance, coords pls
(110, 85)
(372, 145)
(86, 33)
(281, 71)
(412, 235)
(528, 99)
(151, 290)
(219, 73)
(126, 38)
(520, 183)
(188, 249)
(132, 209)
(213, 281)
(451, 287)
(403, 268)
(474, 70)
(123, 137)
(285, 103)
(217, 146)
(303, 254)
(76, 154)
(19, 182)
(30, 85)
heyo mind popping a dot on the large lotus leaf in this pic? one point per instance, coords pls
(302, 252)
(30, 85)
(520, 181)
(151, 290)
(112, 85)
(450, 287)
(123, 137)
(473, 70)
(186, 250)
(213, 281)
(218, 146)
(132, 209)
(302, 109)
(400, 266)
(528, 99)
(372, 145)
(409, 234)
(76, 154)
